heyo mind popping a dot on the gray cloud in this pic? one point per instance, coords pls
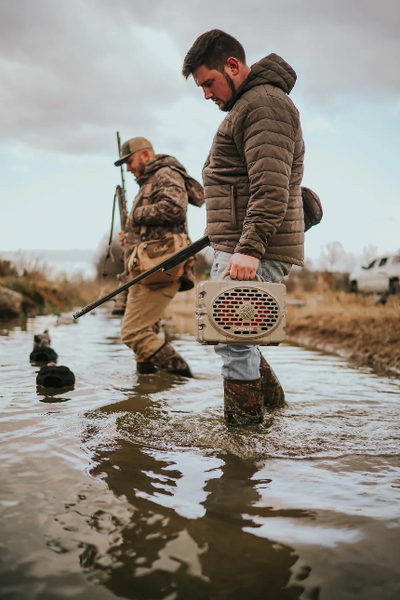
(75, 71)
(342, 47)
(71, 73)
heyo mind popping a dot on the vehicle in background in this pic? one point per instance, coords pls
(382, 276)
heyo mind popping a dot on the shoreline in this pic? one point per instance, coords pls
(356, 360)
(366, 334)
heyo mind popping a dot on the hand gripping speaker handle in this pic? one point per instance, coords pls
(226, 273)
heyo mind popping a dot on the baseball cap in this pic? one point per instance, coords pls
(131, 146)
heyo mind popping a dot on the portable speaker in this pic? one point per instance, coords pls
(240, 312)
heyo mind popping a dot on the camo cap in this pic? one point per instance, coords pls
(131, 146)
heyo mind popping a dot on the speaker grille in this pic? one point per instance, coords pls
(245, 312)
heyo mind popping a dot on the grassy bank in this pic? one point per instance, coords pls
(353, 326)
(43, 294)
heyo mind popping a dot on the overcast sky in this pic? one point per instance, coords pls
(73, 72)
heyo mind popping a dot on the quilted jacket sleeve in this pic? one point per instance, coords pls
(168, 200)
(265, 132)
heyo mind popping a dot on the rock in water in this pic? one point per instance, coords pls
(10, 302)
(55, 377)
(65, 319)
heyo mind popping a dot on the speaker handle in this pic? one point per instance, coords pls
(225, 273)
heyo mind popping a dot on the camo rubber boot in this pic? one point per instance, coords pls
(273, 394)
(169, 360)
(146, 368)
(243, 402)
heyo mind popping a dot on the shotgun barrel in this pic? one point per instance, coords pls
(120, 191)
(123, 212)
(171, 262)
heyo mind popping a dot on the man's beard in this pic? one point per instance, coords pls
(141, 168)
(225, 104)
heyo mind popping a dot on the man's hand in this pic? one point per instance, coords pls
(121, 238)
(243, 267)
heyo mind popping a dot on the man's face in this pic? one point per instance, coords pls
(217, 86)
(135, 164)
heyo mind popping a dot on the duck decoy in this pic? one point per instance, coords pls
(42, 352)
(52, 376)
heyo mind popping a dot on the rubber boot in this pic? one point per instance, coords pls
(120, 302)
(169, 360)
(273, 394)
(146, 368)
(243, 402)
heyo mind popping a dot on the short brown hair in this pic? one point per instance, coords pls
(212, 49)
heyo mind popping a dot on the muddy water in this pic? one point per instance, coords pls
(131, 486)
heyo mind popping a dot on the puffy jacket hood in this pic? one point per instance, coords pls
(271, 70)
(194, 188)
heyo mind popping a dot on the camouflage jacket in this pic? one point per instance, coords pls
(171, 190)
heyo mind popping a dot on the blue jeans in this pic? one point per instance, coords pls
(243, 362)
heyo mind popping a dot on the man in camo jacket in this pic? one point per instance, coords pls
(167, 195)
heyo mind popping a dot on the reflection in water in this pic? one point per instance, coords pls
(160, 552)
(133, 487)
(187, 529)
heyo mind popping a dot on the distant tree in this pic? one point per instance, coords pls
(309, 264)
(369, 253)
(334, 258)
(7, 268)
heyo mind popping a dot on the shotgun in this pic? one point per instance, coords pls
(120, 191)
(120, 305)
(123, 213)
(167, 264)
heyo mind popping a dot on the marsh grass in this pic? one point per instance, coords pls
(359, 327)
(42, 290)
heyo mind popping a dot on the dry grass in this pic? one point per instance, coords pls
(41, 293)
(365, 332)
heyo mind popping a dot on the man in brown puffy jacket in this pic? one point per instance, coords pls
(159, 209)
(252, 180)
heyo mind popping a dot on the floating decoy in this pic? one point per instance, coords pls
(65, 319)
(52, 376)
(42, 352)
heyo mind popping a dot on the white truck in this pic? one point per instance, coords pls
(382, 276)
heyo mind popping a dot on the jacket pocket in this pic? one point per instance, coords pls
(234, 218)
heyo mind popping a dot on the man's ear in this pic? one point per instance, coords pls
(146, 155)
(232, 66)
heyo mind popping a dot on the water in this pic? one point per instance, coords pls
(132, 487)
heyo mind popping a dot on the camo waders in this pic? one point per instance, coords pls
(273, 394)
